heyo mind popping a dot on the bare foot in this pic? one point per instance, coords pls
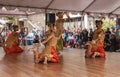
(94, 55)
(45, 60)
(36, 60)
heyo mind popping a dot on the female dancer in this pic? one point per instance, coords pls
(100, 43)
(49, 53)
(59, 25)
(95, 47)
(11, 45)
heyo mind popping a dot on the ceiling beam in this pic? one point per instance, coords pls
(115, 9)
(49, 4)
(21, 6)
(89, 5)
(63, 10)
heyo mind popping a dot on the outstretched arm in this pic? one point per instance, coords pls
(68, 17)
(46, 40)
(48, 32)
(43, 42)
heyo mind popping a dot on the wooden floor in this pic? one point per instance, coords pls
(73, 64)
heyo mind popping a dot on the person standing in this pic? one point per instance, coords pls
(60, 30)
(91, 35)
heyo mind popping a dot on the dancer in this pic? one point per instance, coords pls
(98, 30)
(49, 53)
(11, 45)
(59, 25)
(100, 43)
(95, 47)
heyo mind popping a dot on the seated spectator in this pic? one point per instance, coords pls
(76, 39)
(36, 39)
(30, 38)
(70, 40)
(91, 35)
(113, 43)
(107, 44)
(70, 37)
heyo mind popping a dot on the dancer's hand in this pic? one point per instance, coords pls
(67, 13)
(88, 44)
(51, 55)
(30, 49)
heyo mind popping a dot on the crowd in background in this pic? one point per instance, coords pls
(74, 39)
(78, 39)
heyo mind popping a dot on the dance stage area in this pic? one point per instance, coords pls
(73, 64)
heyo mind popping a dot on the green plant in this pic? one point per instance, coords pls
(11, 18)
(108, 23)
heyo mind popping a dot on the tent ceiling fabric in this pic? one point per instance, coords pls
(106, 6)
(117, 11)
(76, 5)
(26, 3)
(97, 6)
(12, 13)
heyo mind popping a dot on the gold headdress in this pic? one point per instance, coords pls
(59, 13)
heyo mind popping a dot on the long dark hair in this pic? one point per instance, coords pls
(98, 22)
(14, 27)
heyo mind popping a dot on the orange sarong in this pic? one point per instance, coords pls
(14, 49)
(55, 57)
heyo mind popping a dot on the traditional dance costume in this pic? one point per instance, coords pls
(12, 44)
(49, 51)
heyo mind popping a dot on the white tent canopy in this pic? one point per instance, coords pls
(95, 6)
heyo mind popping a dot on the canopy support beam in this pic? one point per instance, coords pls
(21, 6)
(115, 9)
(63, 10)
(49, 4)
(89, 5)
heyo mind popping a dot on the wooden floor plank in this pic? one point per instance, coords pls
(73, 64)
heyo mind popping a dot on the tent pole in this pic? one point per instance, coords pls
(45, 21)
(116, 22)
(82, 20)
(109, 19)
